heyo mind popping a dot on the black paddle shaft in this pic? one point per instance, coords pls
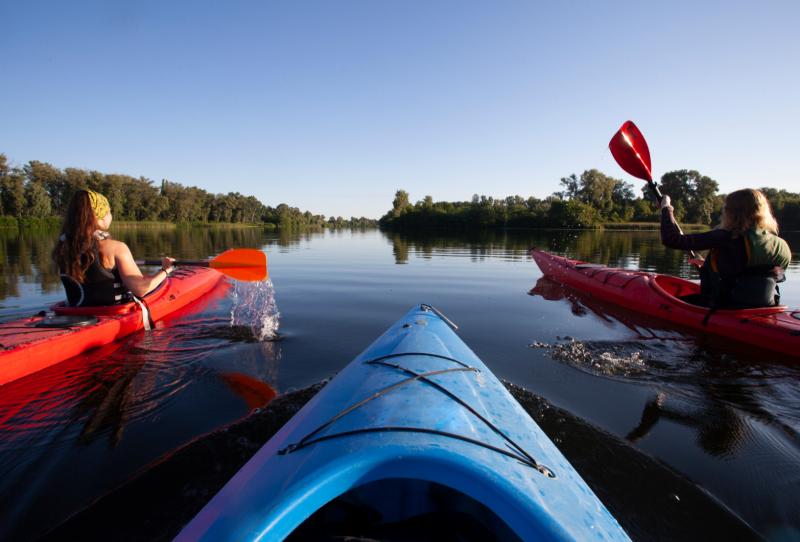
(195, 263)
(656, 191)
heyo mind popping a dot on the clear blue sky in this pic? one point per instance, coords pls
(331, 106)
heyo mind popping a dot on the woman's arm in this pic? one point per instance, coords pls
(671, 236)
(132, 277)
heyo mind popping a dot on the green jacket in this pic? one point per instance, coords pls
(766, 249)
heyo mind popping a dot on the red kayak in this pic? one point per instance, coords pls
(774, 328)
(34, 343)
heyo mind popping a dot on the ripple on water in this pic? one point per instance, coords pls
(718, 395)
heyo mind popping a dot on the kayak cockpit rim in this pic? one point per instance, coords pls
(673, 288)
(420, 509)
(438, 469)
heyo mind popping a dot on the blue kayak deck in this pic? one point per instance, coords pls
(417, 406)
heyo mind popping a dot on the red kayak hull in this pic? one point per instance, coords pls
(776, 329)
(27, 349)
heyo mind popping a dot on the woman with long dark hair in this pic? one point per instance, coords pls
(95, 269)
(746, 258)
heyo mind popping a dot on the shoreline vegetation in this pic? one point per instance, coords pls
(592, 200)
(37, 194)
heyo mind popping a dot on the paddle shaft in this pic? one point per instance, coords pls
(195, 263)
(244, 264)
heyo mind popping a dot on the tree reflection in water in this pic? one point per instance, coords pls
(705, 384)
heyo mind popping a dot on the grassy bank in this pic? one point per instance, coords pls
(54, 223)
(226, 225)
(10, 222)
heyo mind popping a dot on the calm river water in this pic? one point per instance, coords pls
(724, 418)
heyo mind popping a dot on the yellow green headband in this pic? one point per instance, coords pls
(99, 203)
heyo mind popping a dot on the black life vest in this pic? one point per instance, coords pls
(100, 287)
(765, 257)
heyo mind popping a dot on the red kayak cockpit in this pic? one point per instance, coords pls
(680, 289)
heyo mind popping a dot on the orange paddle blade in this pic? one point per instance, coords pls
(242, 264)
(240, 257)
(248, 274)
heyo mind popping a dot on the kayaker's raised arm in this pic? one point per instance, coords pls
(672, 237)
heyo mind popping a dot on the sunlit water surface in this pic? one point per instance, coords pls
(727, 418)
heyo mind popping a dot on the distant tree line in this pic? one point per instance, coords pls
(585, 201)
(39, 190)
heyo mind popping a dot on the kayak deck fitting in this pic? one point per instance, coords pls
(31, 344)
(415, 439)
(772, 328)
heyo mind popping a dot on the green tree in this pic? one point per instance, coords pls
(572, 187)
(12, 190)
(677, 185)
(400, 204)
(573, 214)
(704, 199)
(52, 180)
(597, 190)
(3, 174)
(691, 192)
(37, 201)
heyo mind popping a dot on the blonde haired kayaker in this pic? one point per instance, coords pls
(95, 269)
(746, 258)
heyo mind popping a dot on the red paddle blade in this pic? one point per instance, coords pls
(242, 264)
(629, 149)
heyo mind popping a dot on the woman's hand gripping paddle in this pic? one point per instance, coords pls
(245, 264)
(629, 149)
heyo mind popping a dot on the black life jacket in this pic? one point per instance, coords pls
(766, 256)
(100, 287)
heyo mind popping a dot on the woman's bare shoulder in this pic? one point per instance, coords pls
(114, 247)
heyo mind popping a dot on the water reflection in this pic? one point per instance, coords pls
(711, 391)
(25, 254)
(720, 430)
(626, 249)
(113, 409)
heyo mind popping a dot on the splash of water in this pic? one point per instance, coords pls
(626, 359)
(254, 307)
